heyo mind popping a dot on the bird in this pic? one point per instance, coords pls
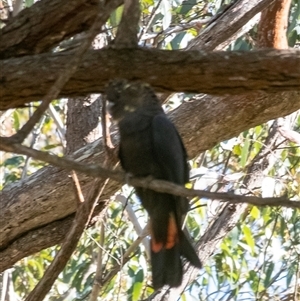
(151, 146)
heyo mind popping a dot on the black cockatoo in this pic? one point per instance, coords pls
(151, 146)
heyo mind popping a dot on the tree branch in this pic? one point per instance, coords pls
(235, 17)
(213, 73)
(35, 240)
(82, 217)
(48, 22)
(207, 120)
(68, 70)
(273, 25)
(128, 28)
(157, 185)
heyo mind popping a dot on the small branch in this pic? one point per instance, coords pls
(22, 133)
(105, 127)
(151, 17)
(68, 164)
(77, 188)
(157, 185)
(132, 217)
(197, 24)
(57, 120)
(98, 276)
(35, 135)
(126, 256)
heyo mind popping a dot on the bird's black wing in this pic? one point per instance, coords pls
(169, 150)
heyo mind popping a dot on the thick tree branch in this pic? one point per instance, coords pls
(273, 25)
(35, 240)
(69, 69)
(48, 22)
(128, 28)
(207, 120)
(83, 214)
(212, 73)
(228, 23)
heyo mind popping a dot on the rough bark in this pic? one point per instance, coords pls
(82, 122)
(272, 34)
(208, 120)
(45, 24)
(128, 28)
(167, 71)
(228, 23)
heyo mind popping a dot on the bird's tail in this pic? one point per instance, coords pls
(166, 257)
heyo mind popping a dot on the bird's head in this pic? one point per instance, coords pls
(126, 97)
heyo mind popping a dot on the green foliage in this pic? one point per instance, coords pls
(28, 3)
(294, 23)
(116, 16)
